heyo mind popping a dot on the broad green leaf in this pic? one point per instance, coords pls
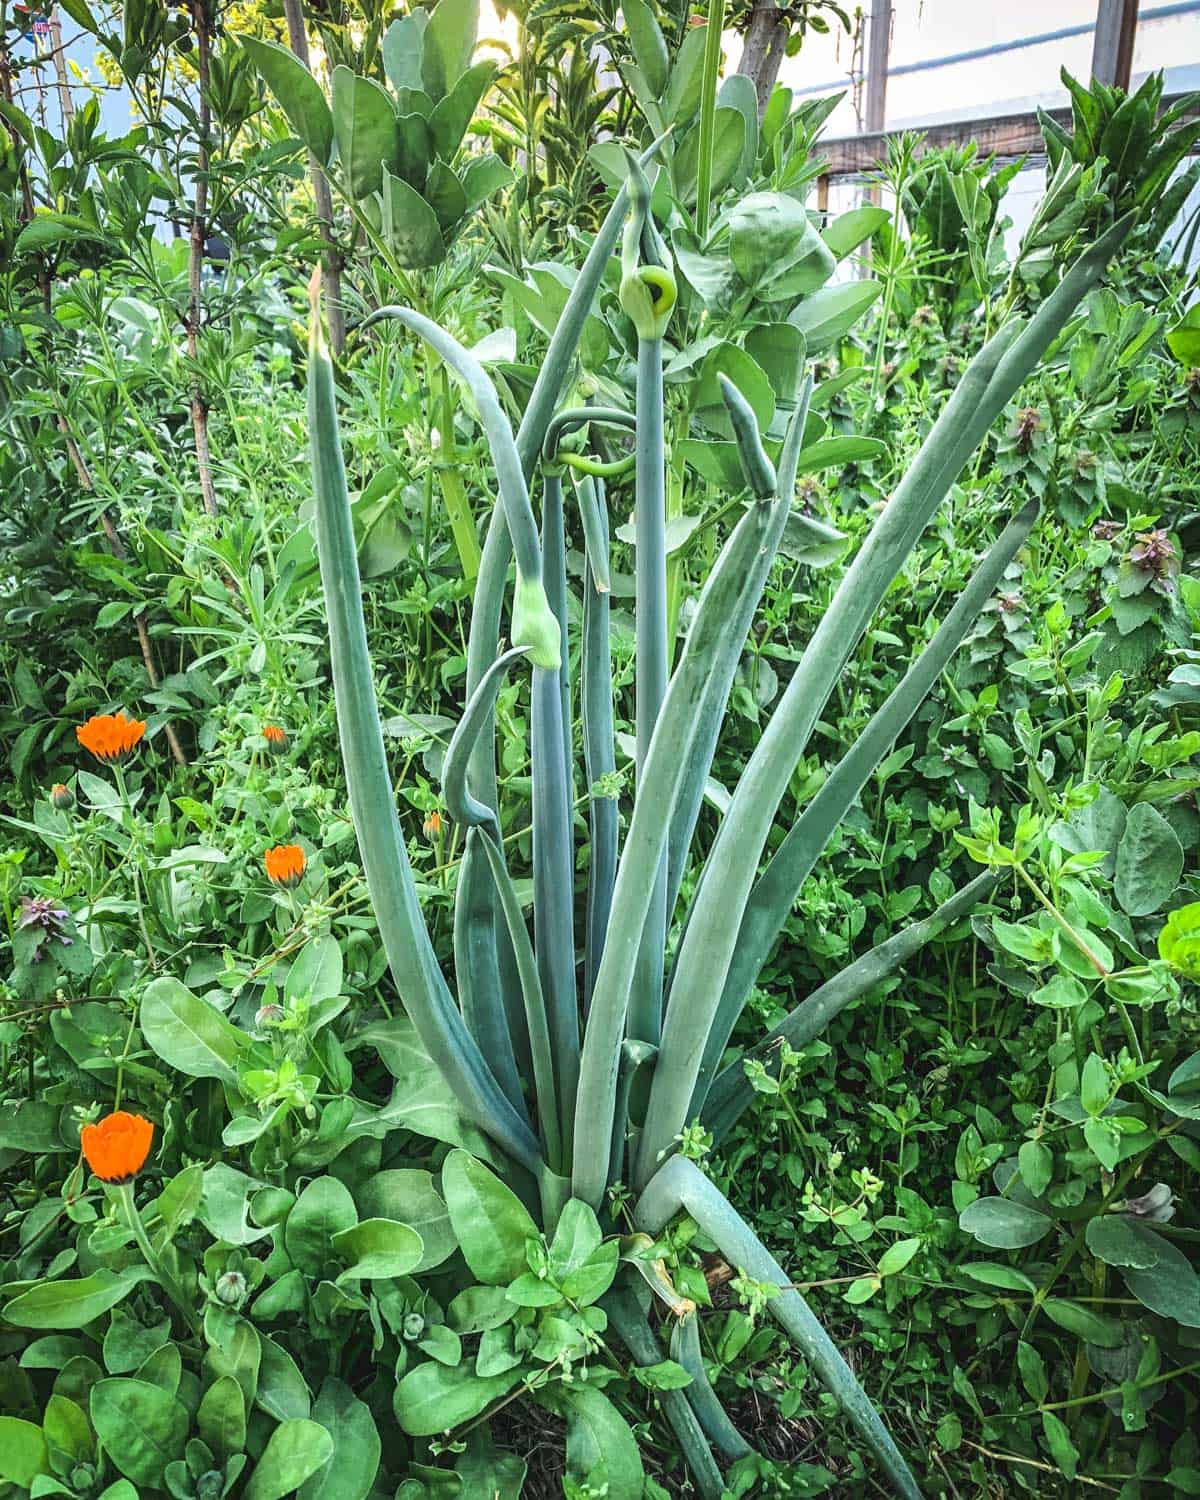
(490, 1223)
(350, 1470)
(67, 1428)
(449, 45)
(897, 1256)
(1033, 1371)
(294, 1452)
(600, 1442)
(143, 1428)
(1037, 1166)
(1170, 1287)
(281, 1391)
(23, 1453)
(1058, 1440)
(225, 1205)
(775, 248)
(837, 452)
(364, 123)
(1007, 1278)
(451, 115)
(316, 972)
(1004, 1224)
(829, 313)
(446, 196)
(1092, 1327)
(484, 175)
(410, 226)
(649, 46)
(323, 1209)
(73, 1304)
(729, 143)
(1149, 861)
(435, 1397)
(297, 93)
(1114, 1239)
(403, 44)
(1098, 826)
(221, 1417)
(1095, 1090)
(578, 1234)
(377, 1249)
(409, 1195)
(849, 230)
(190, 1035)
(1184, 339)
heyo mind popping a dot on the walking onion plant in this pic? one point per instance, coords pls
(579, 1089)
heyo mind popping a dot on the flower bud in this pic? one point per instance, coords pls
(62, 797)
(276, 737)
(413, 1325)
(267, 1015)
(231, 1289)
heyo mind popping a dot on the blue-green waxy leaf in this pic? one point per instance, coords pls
(1004, 1224)
(490, 1222)
(297, 92)
(1170, 1286)
(143, 1428)
(403, 44)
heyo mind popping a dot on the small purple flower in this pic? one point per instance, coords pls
(48, 914)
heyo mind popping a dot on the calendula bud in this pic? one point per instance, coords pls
(432, 825)
(231, 1289)
(62, 797)
(276, 738)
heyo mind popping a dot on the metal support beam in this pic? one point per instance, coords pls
(879, 42)
(1112, 49)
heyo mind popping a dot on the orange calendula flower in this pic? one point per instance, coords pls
(432, 825)
(285, 865)
(116, 1147)
(276, 738)
(110, 737)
